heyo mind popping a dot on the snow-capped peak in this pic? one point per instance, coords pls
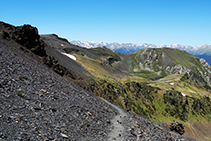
(130, 47)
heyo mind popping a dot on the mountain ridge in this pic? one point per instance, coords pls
(131, 47)
(92, 44)
(201, 52)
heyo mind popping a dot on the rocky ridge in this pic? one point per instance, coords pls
(162, 63)
(152, 60)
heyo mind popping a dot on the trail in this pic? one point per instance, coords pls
(118, 131)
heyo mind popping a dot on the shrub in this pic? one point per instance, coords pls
(21, 93)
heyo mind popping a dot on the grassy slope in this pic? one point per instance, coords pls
(171, 57)
(98, 69)
(131, 62)
(188, 87)
(183, 58)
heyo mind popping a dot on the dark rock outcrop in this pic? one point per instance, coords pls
(110, 61)
(177, 127)
(25, 35)
(28, 36)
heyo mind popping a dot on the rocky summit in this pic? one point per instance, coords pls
(37, 103)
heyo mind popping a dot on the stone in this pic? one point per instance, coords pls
(177, 127)
(51, 138)
(64, 135)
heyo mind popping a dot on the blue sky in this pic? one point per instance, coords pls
(187, 22)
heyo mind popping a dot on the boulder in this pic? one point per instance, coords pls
(177, 127)
(28, 36)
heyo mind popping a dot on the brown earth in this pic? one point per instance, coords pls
(200, 131)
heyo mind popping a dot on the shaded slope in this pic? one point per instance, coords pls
(63, 45)
(54, 46)
(103, 57)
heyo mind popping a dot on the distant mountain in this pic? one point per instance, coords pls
(129, 47)
(201, 52)
(158, 61)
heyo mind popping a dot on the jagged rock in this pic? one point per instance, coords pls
(4, 35)
(177, 127)
(202, 61)
(28, 36)
(25, 35)
(176, 69)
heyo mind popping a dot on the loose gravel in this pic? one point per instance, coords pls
(52, 108)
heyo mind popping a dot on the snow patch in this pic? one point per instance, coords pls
(62, 45)
(171, 83)
(183, 94)
(70, 56)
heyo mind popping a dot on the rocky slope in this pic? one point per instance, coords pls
(38, 104)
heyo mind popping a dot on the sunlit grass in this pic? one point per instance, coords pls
(188, 88)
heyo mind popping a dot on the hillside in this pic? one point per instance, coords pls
(150, 63)
(41, 99)
(133, 81)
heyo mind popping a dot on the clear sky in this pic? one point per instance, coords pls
(187, 22)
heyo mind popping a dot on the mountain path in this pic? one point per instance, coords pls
(118, 131)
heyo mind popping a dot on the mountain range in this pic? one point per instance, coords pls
(202, 52)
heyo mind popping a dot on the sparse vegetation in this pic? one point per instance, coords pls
(21, 93)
